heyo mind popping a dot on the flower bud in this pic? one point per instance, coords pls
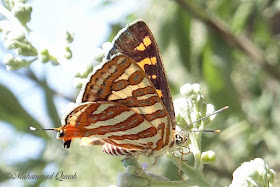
(69, 37)
(25, 50)
(182, 110)
(68, 53)
(196, 88)
(22, 12)
(186, 90)
(13, 63)
(208, 157)
(44, 56)
(210, 109)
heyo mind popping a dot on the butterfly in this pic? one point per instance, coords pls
(126, 105)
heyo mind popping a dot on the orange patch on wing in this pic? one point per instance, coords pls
(154, 60)
(147, 41)
(148, 61)
(141, 47)
(154, 76)
(159, 93)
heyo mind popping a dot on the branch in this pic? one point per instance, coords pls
(240, 42)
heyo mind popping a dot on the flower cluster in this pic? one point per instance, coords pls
(17, 37)
(189, 110)
(192, 107)
(253, 173)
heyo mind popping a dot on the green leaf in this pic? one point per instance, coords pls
(262, 32)
(13, 113)
(165, 35)
(31, 165)
(224, 9)
(217, 70)
(51, 108)
(241, 16)
(181, 32)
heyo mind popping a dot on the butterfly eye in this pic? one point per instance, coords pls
(60, 134)
(178, 140)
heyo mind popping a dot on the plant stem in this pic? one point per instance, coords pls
(193, 174)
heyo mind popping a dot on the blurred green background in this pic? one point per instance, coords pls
(231, 48)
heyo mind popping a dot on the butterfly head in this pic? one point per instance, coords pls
(180, 138)
(62, 134)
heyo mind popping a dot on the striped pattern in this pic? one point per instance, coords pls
(116, 151)
(126, 103)
(121, 108)
(117, 125)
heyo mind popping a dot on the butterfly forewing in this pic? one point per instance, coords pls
(137, 42)
(121, 81)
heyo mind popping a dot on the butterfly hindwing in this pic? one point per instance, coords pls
(137, 42)
(114, 123)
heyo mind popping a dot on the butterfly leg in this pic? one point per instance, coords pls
(183, 153)
(179, 169)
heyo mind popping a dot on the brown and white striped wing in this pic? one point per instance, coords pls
(122, 81)
(114, 123)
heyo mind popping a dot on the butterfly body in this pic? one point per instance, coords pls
(126, 103)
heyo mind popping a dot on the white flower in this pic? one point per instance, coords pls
(182, 107)
(253, 173)
(210, 109)
(186, 89)
(192, 107)
(196, 88)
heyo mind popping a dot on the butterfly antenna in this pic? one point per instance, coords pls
(51, 129)
(214, 113)
(207, 130)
